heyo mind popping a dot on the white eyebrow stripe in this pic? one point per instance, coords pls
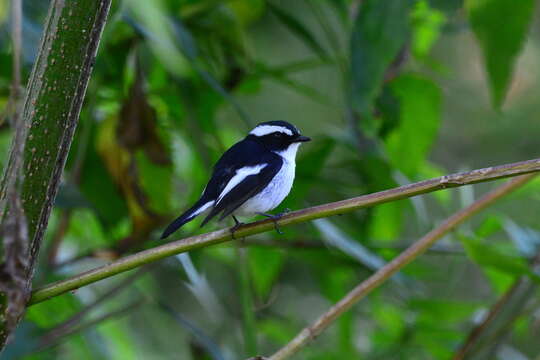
(262, 130)
(240, 175)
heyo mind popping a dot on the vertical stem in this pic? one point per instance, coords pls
(50, 114)
(16, 40)
(246, 299)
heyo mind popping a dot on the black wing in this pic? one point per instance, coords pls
(244, 153)
(247, 188)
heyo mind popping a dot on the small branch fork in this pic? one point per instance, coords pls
(316, 212)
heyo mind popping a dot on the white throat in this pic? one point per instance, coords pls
(289, 154)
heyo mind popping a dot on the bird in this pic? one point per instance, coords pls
(251, 178)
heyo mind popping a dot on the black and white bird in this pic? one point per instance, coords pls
(252, 177)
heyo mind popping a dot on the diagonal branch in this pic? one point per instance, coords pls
(485, 337)
(316, 212)
(378, 278)
(67, 326)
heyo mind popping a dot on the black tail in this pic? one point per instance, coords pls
(186, 217)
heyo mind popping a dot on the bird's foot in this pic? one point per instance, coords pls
(275, 218)
(237, 224)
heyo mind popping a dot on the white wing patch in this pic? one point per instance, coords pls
(263, 130)
(240, 175)
(201, 209)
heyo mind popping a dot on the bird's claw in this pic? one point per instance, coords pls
(237, 224)
(275, 218)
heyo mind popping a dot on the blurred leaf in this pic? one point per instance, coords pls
(380, 30)
(489, 226)
(4, 10)
(278, 331)
(110, 206)
(87, 232)
(441, 310)
(151, 19)
(388, 106)
(335, 285)
(499, 280)
(199, 335)
(70, 197)
(201, 289)
(427, 23)
(247, 11)
(526, 240)
(333, 236)
(486, 255)
(500, 44)
(120, 343)
(23, 341)
(387, 222)
(138, 122)
(390, 323)
(408, 145)
(298, 29)
(156, 181)
(265, 264)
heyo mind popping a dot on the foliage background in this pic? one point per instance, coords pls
(391, 92)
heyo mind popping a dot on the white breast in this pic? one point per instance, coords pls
(277, 190)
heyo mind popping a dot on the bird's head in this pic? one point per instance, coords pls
(278, 136)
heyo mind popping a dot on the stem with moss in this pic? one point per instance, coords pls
(378, 278)
(50, 114)
(316, 212)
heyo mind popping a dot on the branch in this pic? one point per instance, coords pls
(486, 336)
(395, 265)
(91, 323)
(66, 326)
(316, 212)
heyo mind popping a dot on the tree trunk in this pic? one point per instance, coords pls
(42, 138)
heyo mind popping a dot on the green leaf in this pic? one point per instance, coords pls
(380, 30)
(387, 222)
(151, 19)
(427, 24)
(433, 310)
(488, 256)
(99, 189)
(489, 226)
(265, 266)
(298, 29)
(500, 27)
(156, 182)
(408, 144)
(247, 11)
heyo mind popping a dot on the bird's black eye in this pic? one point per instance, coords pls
(277, 135)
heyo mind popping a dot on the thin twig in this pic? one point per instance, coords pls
(16, 39)
(66, 326)
(97, 321)
(12, 110)
(246, 302)
(507, 309)
(391, 268)
(316, 212)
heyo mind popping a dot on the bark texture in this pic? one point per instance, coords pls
(53, 101)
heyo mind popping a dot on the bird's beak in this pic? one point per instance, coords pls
(302, 138)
